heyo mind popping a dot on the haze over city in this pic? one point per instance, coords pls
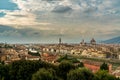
(44, 21)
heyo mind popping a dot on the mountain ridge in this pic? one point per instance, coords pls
(114, 40)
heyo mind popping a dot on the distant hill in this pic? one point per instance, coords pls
(115, 40)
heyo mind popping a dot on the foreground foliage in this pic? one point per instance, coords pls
(44, 74)
(39, 70)
(80, 74)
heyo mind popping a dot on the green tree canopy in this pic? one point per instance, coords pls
(104, 66)
(44, 74)
(80, 74)
(80, 64)
(23, 70)
(104, 75)
(64, 67)
(4, 71)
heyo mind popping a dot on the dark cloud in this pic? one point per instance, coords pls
(90, 10)
(52, 0)
(20, 15)
(5, 28)
(2, 14)
(62, 9)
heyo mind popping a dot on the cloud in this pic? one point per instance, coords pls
(67, 18)
(2, 14)
(61, 9)
(19, 19)
(93, 8)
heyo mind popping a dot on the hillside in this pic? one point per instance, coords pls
(115, 40)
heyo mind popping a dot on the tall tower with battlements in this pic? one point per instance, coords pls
(59, 44)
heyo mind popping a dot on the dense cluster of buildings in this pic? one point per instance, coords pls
(51, 52)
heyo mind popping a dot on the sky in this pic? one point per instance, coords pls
(44, 21)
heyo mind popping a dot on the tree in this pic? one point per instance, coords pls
(44, 74)
(80, 64)
(23, 70)
(64, 68)
(103, 75)
(1, 72)
(80, 74)
(104, 66)
(4, 72)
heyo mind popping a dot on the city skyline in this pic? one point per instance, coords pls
(37, 21)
